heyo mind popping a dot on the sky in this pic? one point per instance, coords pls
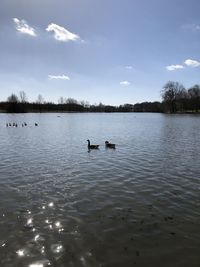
(108, 51)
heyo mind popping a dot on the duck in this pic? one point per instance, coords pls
(109, 145)
(92, 146)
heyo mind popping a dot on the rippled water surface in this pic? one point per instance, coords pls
(62, 205)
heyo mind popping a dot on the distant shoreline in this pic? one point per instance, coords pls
(85, 112)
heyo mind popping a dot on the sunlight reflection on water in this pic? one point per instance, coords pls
(20, 252)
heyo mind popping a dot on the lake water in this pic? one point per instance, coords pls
(62, 205)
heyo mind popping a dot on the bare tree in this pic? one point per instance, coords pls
(85, 104)
(13, 99)
(170, 93)
(182, 99)
(22, 97)
(61, 100)
(194, 95)
(71, 101)
(40, 99)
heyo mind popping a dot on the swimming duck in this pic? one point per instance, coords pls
(92, 146)
(109, 145)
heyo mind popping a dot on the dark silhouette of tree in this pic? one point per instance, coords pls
(126, 108)
(85, 104)
(22, 96)
(71, 101)
(194, 97)
(13, 98)
(109, 108)
(40, 99)
(61, 100)
(170, 93)
(182, 100)
(23, 100)
(148, 107)
(12, 106)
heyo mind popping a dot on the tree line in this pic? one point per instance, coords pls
(175, 98)
(20, 104)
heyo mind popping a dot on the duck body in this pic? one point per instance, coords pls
(109, 145)
(92, 146)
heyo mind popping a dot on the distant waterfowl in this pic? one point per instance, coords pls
(92, 146)
(14, 124)
(109, 145)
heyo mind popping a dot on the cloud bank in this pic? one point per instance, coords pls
(58, 77)
(23, 27)
(62, 34)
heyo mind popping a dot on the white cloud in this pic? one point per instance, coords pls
(193, 27)
(192, 63)
(23, 27)
(196, 27)
(174, 67)
(58, 77)
(129, 67)
(62, 34)
(125, 83)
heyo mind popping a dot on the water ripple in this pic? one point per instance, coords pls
(137, 204)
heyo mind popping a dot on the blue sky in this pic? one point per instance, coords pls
(108, 51)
